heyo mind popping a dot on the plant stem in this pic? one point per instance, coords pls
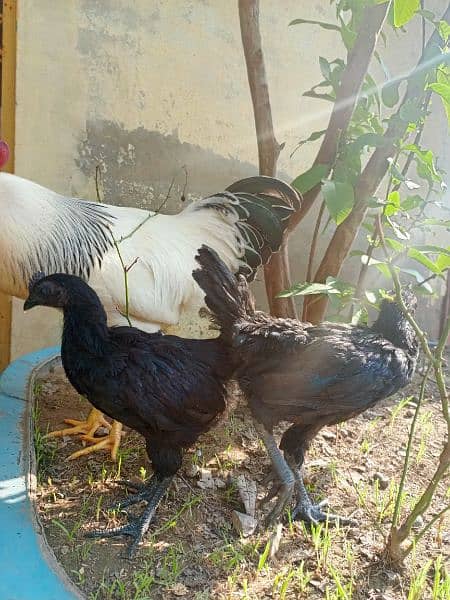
(401, 486)
(126, 314)
(312, 252)
(428, 526)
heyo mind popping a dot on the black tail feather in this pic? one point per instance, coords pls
(227, 296)
(263, 207)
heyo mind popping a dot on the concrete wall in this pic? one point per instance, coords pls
(143, 87)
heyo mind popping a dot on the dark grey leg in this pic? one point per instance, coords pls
(304, 509)
(143, 491)
(283, 473)
(156, 488)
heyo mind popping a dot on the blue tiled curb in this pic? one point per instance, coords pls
(28, 570)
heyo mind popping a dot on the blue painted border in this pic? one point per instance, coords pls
(29, 570)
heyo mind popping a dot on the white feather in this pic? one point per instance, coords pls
(161, 288)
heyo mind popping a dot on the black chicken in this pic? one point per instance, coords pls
(308, 375)
(167, 388)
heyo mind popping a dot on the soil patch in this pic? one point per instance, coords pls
(192, 550)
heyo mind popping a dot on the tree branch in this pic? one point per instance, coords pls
(276, 272)
(374, 172)
(358, 61)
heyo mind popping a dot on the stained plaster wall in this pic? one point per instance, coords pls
(145, 87)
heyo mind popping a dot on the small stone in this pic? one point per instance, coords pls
(192, 470)
(243, 524)
(328, 435)
(219, 483)
(247, 492)
(418, 523)
(383, 481)
(206, 481)
(409, 413)
(179, 589)
(275, 540)
(65, 550)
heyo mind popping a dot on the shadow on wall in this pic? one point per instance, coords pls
(138, 166)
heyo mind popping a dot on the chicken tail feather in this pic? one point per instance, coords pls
(226, 295)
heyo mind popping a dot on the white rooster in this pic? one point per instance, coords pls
(45, 231)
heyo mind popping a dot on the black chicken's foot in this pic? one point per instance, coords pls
(283, 474)
(311, 513)
(137, 528)
(143, 492)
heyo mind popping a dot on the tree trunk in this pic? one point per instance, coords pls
(276, 272)
(372, 176)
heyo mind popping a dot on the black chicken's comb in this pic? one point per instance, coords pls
(34, 279)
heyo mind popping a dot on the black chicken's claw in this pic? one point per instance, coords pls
(284, 495)
(312, 514)
(135, 486)
(144, 492)
(127, 529)
(153, 492)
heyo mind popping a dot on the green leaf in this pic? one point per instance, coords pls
(404, 10)
(361, 316)
(313, 94)
(393, 205)
(390, 94)
(443, 262)
(329, 26)
(394, 244)
(348, 36)
(339, 198)
(411, 202)
(423, 260)
(443, 89)
(435, 222)
(425, 159)
(372, 140)
(325, 68)
(418, 277)
(304, 289)
(444, 30)
(430, 249)
(312, 138)
(310, 178)
(343, 287)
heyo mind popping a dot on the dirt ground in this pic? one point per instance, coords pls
(193, 551)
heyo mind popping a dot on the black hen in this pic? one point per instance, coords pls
(167, 388)
(307, 375)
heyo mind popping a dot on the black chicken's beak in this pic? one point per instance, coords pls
(29, 303)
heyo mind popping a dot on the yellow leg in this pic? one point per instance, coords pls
(88, 427)
(110, 442)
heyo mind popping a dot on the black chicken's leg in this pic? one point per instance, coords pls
(283, 472)
(142, 492)
(136, 529)
(295, 442)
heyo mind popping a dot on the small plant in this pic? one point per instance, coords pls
(44, 449)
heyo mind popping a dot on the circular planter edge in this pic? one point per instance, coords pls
(30, 570)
